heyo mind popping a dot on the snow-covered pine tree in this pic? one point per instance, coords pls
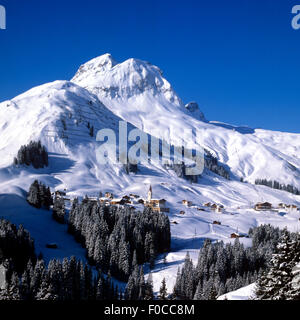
(59, 211)
(294, 293)
(276, 284)
(163, 290)
(149, 288)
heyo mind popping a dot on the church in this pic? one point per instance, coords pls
(158, 205)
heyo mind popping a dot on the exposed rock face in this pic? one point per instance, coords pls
(193, 108)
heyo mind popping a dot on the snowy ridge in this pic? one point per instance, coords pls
(57, 113)
(137, 92)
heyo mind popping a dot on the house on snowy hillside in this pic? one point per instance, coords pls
(109, 195)
(187, 203)
(263, 206)
(117, 202)
(234, 235)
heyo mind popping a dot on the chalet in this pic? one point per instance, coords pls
(104, 200)
(60, 194)
(286, 206)
(134, 195)
(109, 195)
(93, 199)
(234, 235)
(217, 207)
(127, 200)
(217, 222)
(291, 206)
(263, 206)
(187, 203)
(117, 202)
(141, 201)
(208, 204)
(182, 212)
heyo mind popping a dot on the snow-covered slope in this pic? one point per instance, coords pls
(103, 92)
(245, 293)
(137, 92)
(58, 113)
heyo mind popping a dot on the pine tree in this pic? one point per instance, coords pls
(276, 284)
(33, 197)
(149, 288)
(91, 131)
(59, 212)
(198, 294)
(163, 290)
(33, 153)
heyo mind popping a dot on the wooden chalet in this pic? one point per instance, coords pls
(234, 235)
(136, 196)
(263, 206)
(187, 203)
(208, 204)
(117, 202)
(109, 195)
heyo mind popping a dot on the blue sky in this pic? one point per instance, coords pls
(240, 60)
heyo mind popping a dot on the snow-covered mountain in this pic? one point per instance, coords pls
(137, 92)
(103, 92)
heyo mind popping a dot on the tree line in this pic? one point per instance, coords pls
(210, 162)
(32, 154)
(69, 279)
(39, 196)
(223, 268)
(119, 238)
(28, 278)
(16, 245)
(277, 185)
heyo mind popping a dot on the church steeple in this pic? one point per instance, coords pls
(150, 194)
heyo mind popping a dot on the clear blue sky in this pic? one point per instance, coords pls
(240, 60)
